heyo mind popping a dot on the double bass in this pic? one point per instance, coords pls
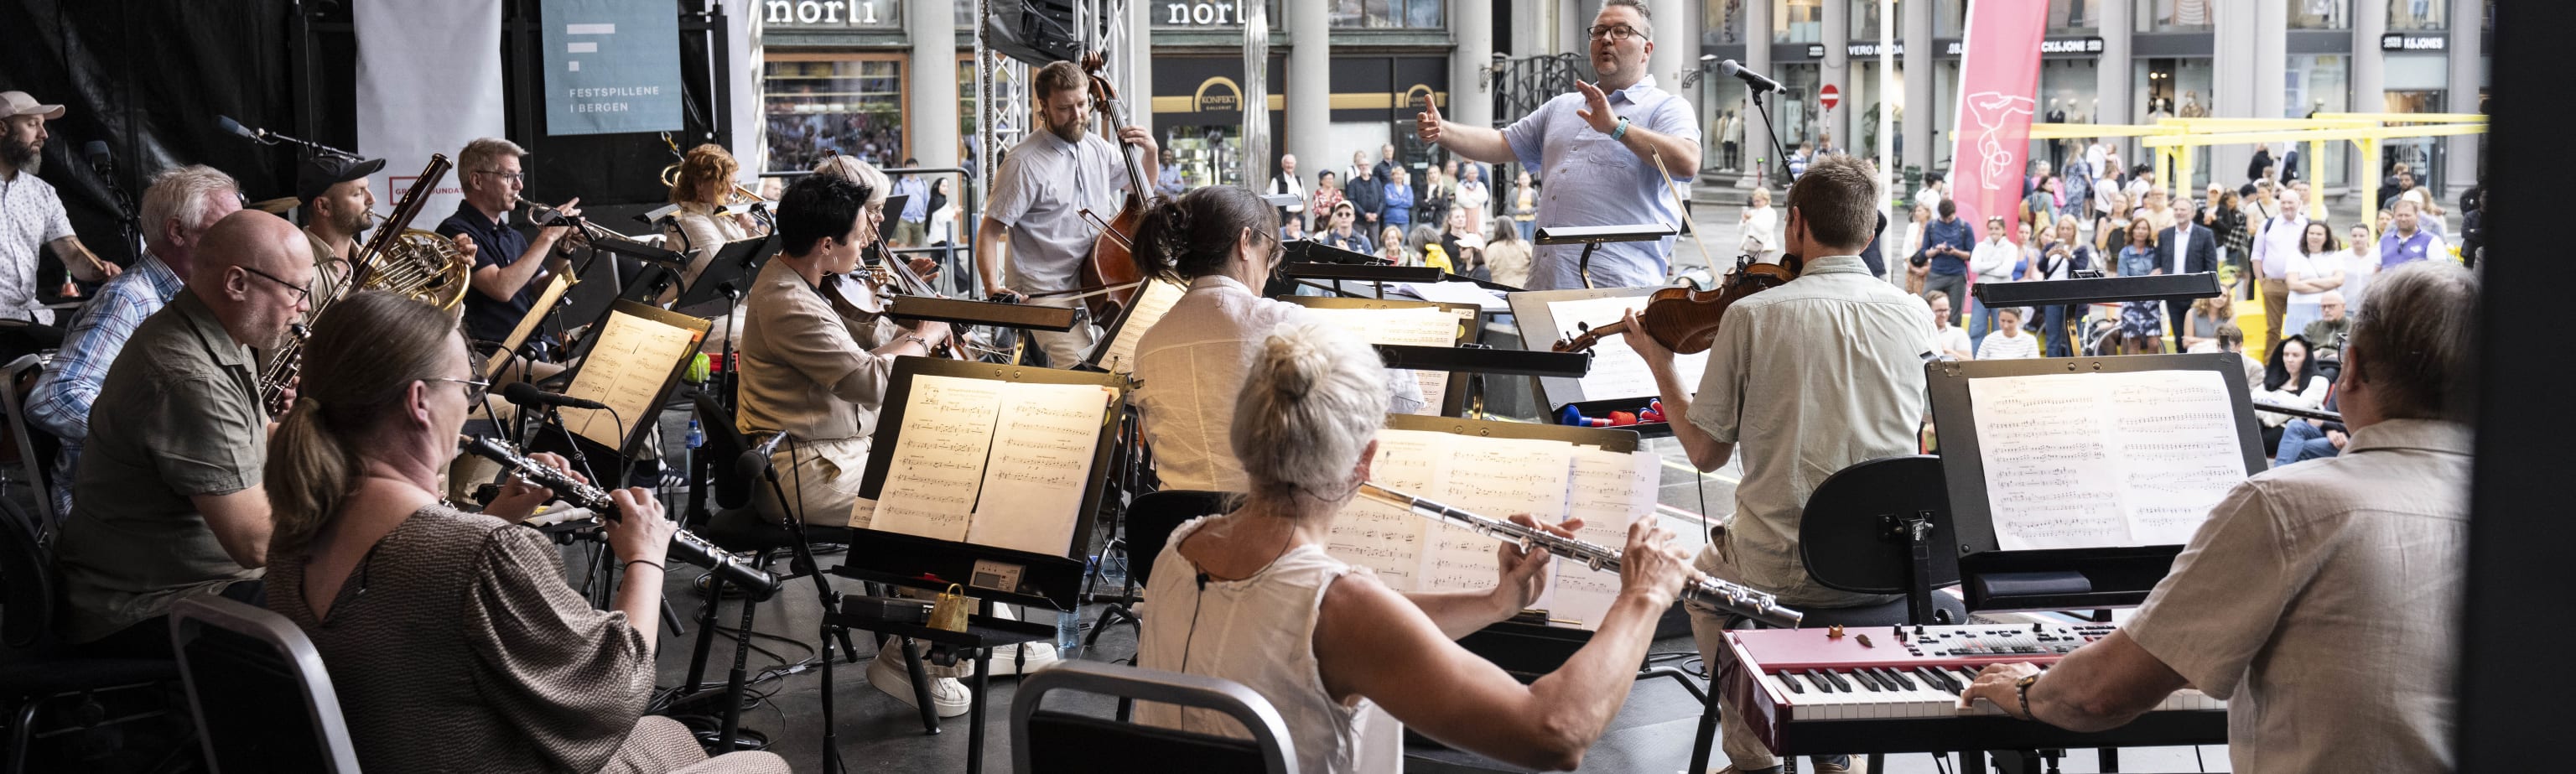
(1110, 278)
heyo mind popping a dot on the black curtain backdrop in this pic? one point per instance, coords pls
(150, 78)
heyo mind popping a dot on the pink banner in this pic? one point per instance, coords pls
(1998, 78)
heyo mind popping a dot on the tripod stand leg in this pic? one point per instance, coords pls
(920, 687)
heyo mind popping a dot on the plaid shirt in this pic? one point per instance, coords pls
(60, 402)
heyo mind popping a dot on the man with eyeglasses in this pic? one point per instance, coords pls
(507, 263)
(1038, 196)
(1598, 149)
(169, 481)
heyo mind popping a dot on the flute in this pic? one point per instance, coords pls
(1716, 593)
(686, 546)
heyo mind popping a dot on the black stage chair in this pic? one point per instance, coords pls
(1150, 522)
(43, 682)
(258, 690)
(1055, 742)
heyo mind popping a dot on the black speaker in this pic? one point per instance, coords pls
(1039, 32)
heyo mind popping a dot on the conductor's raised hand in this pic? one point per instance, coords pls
(1596, 108)
(1427, 124)
(1650, 566)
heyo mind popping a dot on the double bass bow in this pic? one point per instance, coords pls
(1684, 319)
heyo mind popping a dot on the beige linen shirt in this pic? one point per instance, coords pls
(2315, 599)
(1807, 379)
(802, 372)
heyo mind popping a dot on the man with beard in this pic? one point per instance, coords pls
(169, 484)
(1598, 149)
(32, 217)
(338, 208)
(1038, 196)
(182, 204)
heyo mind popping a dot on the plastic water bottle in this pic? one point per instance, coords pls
(1068, 632)
(697, 437)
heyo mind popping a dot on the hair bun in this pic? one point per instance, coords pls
(1172, 239)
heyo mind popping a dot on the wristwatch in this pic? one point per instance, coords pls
(2021, 691)
(1621, 130)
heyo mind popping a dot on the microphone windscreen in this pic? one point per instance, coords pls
(96, 150)
(522, 393)
(1729, 68)
(227, 124)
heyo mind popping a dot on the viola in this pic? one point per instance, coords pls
(1685, 320)
(1110, 271)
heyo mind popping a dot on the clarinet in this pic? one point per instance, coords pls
(1726, 596)
(686, 546)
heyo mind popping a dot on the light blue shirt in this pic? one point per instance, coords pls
(1593, 180)
(917, 208)
(61, 400)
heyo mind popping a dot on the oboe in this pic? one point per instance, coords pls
(1726, 596)
(685, 545)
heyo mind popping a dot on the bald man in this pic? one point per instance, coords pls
(169, 492)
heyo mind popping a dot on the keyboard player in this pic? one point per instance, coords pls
(2289, 602)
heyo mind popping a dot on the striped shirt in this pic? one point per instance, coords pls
(60, 402)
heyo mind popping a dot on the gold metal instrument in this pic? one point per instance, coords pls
(395, 258)
(1716, 593)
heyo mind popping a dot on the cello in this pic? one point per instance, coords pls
(1110, 278)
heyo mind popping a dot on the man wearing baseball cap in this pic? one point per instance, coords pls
(32, 218)
(338, 205)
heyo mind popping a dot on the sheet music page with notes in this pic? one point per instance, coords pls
(1495, 478)
(1609, 490)
(2106, 459)
(938, 457)
(1617, 371)
(1384, 538)
(1152, 302)
(625, 369)
(1422, 326)
(1042, 443)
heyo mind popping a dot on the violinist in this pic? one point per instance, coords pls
(1038, 198)
(802, 373)
(1808, 377)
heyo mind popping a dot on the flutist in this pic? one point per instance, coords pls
(1251, 596)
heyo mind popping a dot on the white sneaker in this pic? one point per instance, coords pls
(1032, 656)
(948, 697)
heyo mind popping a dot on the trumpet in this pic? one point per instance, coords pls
(736, 194)
(1716, 593)
(686, 546)
(546, 215)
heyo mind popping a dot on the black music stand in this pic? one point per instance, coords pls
(2057, 578)
(1593, 237)
(736, 263)
(1883, 527)
(993, 573)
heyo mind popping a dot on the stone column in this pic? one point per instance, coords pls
(2369, 84)
(1919, 115)
(931, 72)
(2468, 72)
(1757, 132)
(1308, 105)
(1471, 91)
(1835, 69)
(2111, 79)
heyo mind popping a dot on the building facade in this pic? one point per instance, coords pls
(861, 76)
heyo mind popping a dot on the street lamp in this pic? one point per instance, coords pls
(1485, 75)
(1691, 78)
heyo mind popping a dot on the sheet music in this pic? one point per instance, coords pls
(625, 370)
(2104, 460)
(1608, 491)
(1428, 326)
(1042, 442)
(1152, 303)
(1497, 478)
(938, 459)
(1617, 371)
(1456, 293)
(1384, 538)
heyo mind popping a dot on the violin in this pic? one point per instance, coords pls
(1111, 266)
(1685, 320)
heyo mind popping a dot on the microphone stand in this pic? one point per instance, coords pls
(802, 563)
(127, 221)
(1771, 129)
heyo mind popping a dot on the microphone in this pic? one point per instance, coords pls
(96, 151)
(527, 395)
(231, 126)
(1752, 80)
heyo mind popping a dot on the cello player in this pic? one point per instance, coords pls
(1033, 238)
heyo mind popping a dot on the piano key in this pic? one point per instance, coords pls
(1899, 677)
(1784, 678)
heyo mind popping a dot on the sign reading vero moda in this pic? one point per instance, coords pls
(2083, 45)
